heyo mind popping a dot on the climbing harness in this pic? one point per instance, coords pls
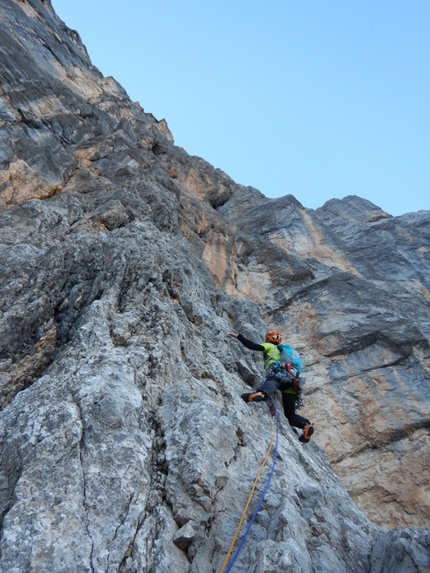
(269, 479)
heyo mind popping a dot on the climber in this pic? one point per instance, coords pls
(272, 355)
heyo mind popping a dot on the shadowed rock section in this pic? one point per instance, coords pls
(125, 444)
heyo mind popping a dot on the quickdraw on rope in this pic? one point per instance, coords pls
(269, 479)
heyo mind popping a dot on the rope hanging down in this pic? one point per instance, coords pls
(260, 502)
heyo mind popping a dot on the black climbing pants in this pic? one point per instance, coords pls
(288, 401)
(269, 386)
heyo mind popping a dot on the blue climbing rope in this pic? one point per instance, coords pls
(263, 495)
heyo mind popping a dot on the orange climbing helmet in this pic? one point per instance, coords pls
(274, 337)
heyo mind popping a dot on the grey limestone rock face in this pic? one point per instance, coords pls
(125, 445)
(402, 550)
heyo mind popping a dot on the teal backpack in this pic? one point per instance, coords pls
(287, 371)
(288, 354)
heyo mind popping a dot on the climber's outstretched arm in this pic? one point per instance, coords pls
(248, 343)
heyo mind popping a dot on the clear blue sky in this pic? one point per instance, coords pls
(317, 98)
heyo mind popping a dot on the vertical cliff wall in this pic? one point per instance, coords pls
(125, 444)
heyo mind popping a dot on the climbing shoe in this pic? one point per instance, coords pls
(253, 397)
(308, 430)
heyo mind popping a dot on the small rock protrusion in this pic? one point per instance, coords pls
(184, 536)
